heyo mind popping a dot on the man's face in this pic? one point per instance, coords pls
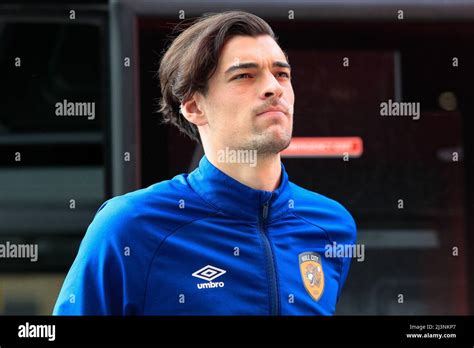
(252, 76)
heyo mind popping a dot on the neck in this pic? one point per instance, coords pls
(263, 174)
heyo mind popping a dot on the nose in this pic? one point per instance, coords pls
(271, 87)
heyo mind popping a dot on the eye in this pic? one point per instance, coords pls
(285, 73)
(239, 77)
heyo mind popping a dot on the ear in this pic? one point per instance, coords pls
(192, 110)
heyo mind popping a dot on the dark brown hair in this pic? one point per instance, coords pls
(191, 60)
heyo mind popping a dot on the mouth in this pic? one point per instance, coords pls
(272, 113)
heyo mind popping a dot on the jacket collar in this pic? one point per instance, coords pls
(236, 199)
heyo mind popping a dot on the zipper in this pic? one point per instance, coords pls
(271, 271)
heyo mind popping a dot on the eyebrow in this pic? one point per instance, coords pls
(278, 64)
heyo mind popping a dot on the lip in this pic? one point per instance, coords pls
(273, 111)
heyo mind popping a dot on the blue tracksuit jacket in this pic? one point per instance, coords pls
(205, 244)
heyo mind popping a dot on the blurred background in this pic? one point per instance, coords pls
(107, 52)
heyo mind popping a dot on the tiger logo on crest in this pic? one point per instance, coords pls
(312, 273)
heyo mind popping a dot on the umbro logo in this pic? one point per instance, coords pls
(209, 273)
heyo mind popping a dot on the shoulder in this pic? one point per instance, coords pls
(149, 213)
(324, 212)
(161, 194)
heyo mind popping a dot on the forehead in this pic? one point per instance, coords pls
(247, 48)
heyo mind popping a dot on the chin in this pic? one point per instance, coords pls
(274, 143)
(281, 135)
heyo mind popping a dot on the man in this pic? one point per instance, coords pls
(235, 236)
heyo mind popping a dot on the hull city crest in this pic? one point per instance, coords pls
(312, 273)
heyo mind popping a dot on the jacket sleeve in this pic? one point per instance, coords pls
(349, 236)
(96, 283)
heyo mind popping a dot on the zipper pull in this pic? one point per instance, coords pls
(265, 207)
(265, 211)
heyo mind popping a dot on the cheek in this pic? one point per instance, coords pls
(236, 104)
(291, 100)
(226, 100)
(290, 94)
